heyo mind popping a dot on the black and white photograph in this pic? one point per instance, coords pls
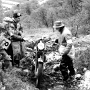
(44, 44)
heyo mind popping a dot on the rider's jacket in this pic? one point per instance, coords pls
(17, 25)
(65, 43)
(13, 30)
(16, 35)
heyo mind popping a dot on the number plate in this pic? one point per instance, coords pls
(5, 43)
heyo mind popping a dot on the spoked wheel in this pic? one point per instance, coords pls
(39, 75)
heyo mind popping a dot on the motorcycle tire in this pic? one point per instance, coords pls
(39, 75)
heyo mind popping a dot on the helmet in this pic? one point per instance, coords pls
(8, 19)
(16, 15)
(58, 24)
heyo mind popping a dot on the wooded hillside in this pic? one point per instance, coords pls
(74, 13)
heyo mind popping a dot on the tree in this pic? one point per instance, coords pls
(74, 6)
(29, 7)
(86, 4)
(51, 16)
(78, 21)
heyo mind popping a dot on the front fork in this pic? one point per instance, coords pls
(36, 67)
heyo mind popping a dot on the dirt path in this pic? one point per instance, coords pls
(52, 81)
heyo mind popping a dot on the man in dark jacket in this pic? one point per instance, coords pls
(15, 35)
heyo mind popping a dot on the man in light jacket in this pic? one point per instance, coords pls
(65, 50)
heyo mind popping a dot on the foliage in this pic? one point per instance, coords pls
(12, 81)
(74, 13)
(28, 7)
(1, 12)
(82, 60)
(78, 21)
(46, 14)
(8, 13)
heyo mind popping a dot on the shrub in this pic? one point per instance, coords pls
(82, 60)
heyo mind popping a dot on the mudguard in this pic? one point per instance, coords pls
(19, 48)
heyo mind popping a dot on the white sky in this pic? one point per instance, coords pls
(10, 3)
(42, 1)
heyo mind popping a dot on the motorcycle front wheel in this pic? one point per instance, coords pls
(39, 75)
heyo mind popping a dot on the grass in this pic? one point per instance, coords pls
(36, 34)
(12, 82)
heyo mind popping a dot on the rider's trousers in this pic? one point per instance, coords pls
(66, 67)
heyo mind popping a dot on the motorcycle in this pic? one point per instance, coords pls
(38, 62)
(39, 67)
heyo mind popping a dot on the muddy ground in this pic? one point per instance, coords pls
(17, 79)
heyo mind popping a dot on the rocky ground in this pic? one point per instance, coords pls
(18, 79)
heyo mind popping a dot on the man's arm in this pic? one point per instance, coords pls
(67, 49)
(19, 27)
(17, 37)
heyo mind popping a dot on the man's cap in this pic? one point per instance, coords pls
(16, 15)
(58, 24)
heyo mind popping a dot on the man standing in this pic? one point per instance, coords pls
(15, 36)
(65, 50)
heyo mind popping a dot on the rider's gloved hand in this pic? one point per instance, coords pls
(56, 41)
(23, 39)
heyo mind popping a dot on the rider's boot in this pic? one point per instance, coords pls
(66, 80)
